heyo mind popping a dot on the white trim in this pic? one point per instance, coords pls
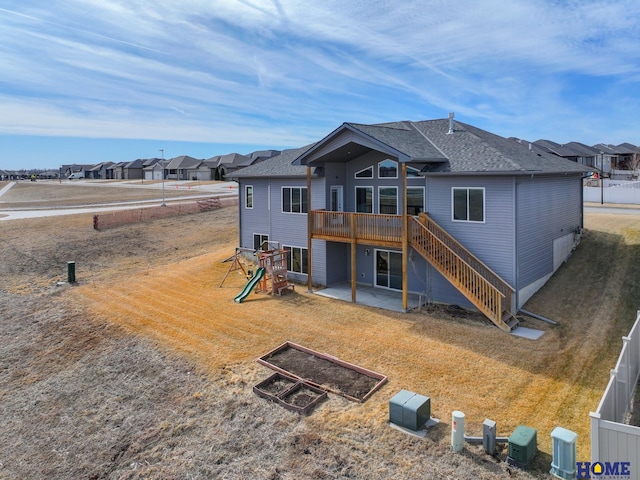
(424, 193)
(339, 189)
(290, 248)
(355, 196)
(375, 269)
(355, 175)
(484, 205)
(253, 239)
(246, 196)
(387, 160)
(303, 198)
(380, 196)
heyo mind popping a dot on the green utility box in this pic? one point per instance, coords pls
(409, 410)
(523, 445)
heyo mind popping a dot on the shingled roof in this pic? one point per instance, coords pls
(278, 166)
(464, 149)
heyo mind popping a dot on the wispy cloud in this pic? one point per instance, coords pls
(290, 71)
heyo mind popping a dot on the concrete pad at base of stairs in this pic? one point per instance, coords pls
(530, 333)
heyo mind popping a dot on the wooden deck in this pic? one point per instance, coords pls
(483, 287)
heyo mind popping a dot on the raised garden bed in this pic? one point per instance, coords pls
(292, 394)
(302, 398)
(323, 371)
(274, 385)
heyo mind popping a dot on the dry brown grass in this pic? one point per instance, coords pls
(145, 369)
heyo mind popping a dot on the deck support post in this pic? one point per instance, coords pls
(354, 273)
(405, 241)
(309, 256)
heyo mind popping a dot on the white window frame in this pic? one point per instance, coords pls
(303, 199)
(467, 220)
(410, 187)
(262, 241)
(303, 265)
(246, 196)
(384, 161)
(355, 194)
(375, 268)
(380, 198)
(370, 168)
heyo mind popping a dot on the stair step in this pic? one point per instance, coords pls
(511, 321)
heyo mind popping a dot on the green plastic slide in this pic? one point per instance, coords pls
(251, 284)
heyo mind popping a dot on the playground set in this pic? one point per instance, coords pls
(271, 274)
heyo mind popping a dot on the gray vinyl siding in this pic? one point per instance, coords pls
(548, 208)
(492, 241)
(256, 219)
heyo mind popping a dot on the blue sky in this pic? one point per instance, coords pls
(97, 80)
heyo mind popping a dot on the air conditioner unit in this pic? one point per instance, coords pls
(523, 445)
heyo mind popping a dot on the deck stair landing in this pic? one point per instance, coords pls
(477, 282)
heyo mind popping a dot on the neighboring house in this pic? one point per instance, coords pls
(115, 171)
(152, 169)
(205, 170)
(133, 170)
(99, 171)
(352, 208)
(231, 162)
(262, 155)
(177, 167)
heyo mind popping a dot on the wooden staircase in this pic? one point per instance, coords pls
(478, 283)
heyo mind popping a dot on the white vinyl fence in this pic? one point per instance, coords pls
(612, 191)
(611, 439)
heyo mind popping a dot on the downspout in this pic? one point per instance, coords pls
(405, 241)
(309, 210)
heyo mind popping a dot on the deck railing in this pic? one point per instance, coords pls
(493, 278)
(459, 269)
(361, 226)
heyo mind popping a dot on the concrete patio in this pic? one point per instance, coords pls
(371, 296)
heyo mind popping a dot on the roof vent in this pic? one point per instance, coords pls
(451, 115)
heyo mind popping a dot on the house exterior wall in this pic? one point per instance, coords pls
(132, 173)
(290, 229)
(492, 241)
(254, 220)
(549, 211)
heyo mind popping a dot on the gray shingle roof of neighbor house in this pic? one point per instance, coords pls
(278, 166)
(627, 148)
(582, 149)
(234, 160)
(183, 161)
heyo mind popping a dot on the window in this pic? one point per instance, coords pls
(387, 169)
(365, 173)
(294, 199)
(468, 204)
(388, 200)
(297, 259)
(260, 241)
(364, 199)
(248, 196)
(415, 200)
